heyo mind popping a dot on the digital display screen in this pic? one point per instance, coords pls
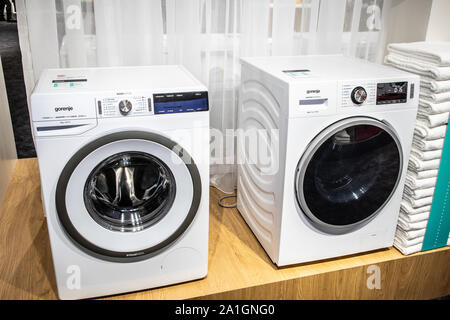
(392, 92)
(180, 102)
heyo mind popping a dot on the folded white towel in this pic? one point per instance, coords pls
(426, 155)
(423, 131)
(406, 207)
(433, 108)
(411, 234)
(418, 165)
(414, 217)
(418, 67)
(412, 225)
(433, 120)
(427, 145)
(437, 53)
(423, 174)
(419, 193)
(435, 86)
(408, 242)
(414, 183)
(415, 203)
(434, 97)
(407, 250)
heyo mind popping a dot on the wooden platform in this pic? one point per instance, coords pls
(238, 266)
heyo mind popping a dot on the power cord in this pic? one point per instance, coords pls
(227, 205)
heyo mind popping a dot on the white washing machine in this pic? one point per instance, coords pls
(124, 162)
(334, 179)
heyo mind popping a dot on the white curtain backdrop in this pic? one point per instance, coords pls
(206, 36)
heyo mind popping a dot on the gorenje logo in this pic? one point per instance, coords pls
(312, 91)
(57, 109)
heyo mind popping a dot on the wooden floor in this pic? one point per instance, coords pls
(238, 266)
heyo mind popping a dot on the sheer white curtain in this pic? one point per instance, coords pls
(206, 36)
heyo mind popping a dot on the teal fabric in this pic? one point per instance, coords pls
(438, 226)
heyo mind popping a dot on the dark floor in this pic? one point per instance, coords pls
(15, 88)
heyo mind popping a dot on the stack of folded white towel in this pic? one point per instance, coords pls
(432, 62)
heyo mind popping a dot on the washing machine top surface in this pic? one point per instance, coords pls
(79, 80)
(294, 69)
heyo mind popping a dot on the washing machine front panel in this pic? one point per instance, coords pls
(126, 196)
(348, 173)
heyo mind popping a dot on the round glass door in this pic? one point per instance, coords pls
(128, 195)
(348, 173)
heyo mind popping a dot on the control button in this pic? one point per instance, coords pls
(125, 107)
(358, 95)
(99, 104)
(149, 104)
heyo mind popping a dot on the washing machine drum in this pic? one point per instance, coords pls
(129, 191)
(348, 174)
(126, 196)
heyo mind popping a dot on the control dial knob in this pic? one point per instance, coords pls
(358, 95)
(125, 107)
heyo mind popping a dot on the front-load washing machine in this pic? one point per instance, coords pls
(331, 184)
(124, 163)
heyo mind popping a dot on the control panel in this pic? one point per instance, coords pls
(372, 93)
(358, 94)
(180, 102)
(392, 92)
(117, 106)
(159, 103)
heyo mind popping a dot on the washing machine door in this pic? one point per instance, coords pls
(348, 173)
(128, 195)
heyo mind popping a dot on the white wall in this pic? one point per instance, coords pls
(8, 154)
(408, 20)
(418, 20)
(439, 22)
